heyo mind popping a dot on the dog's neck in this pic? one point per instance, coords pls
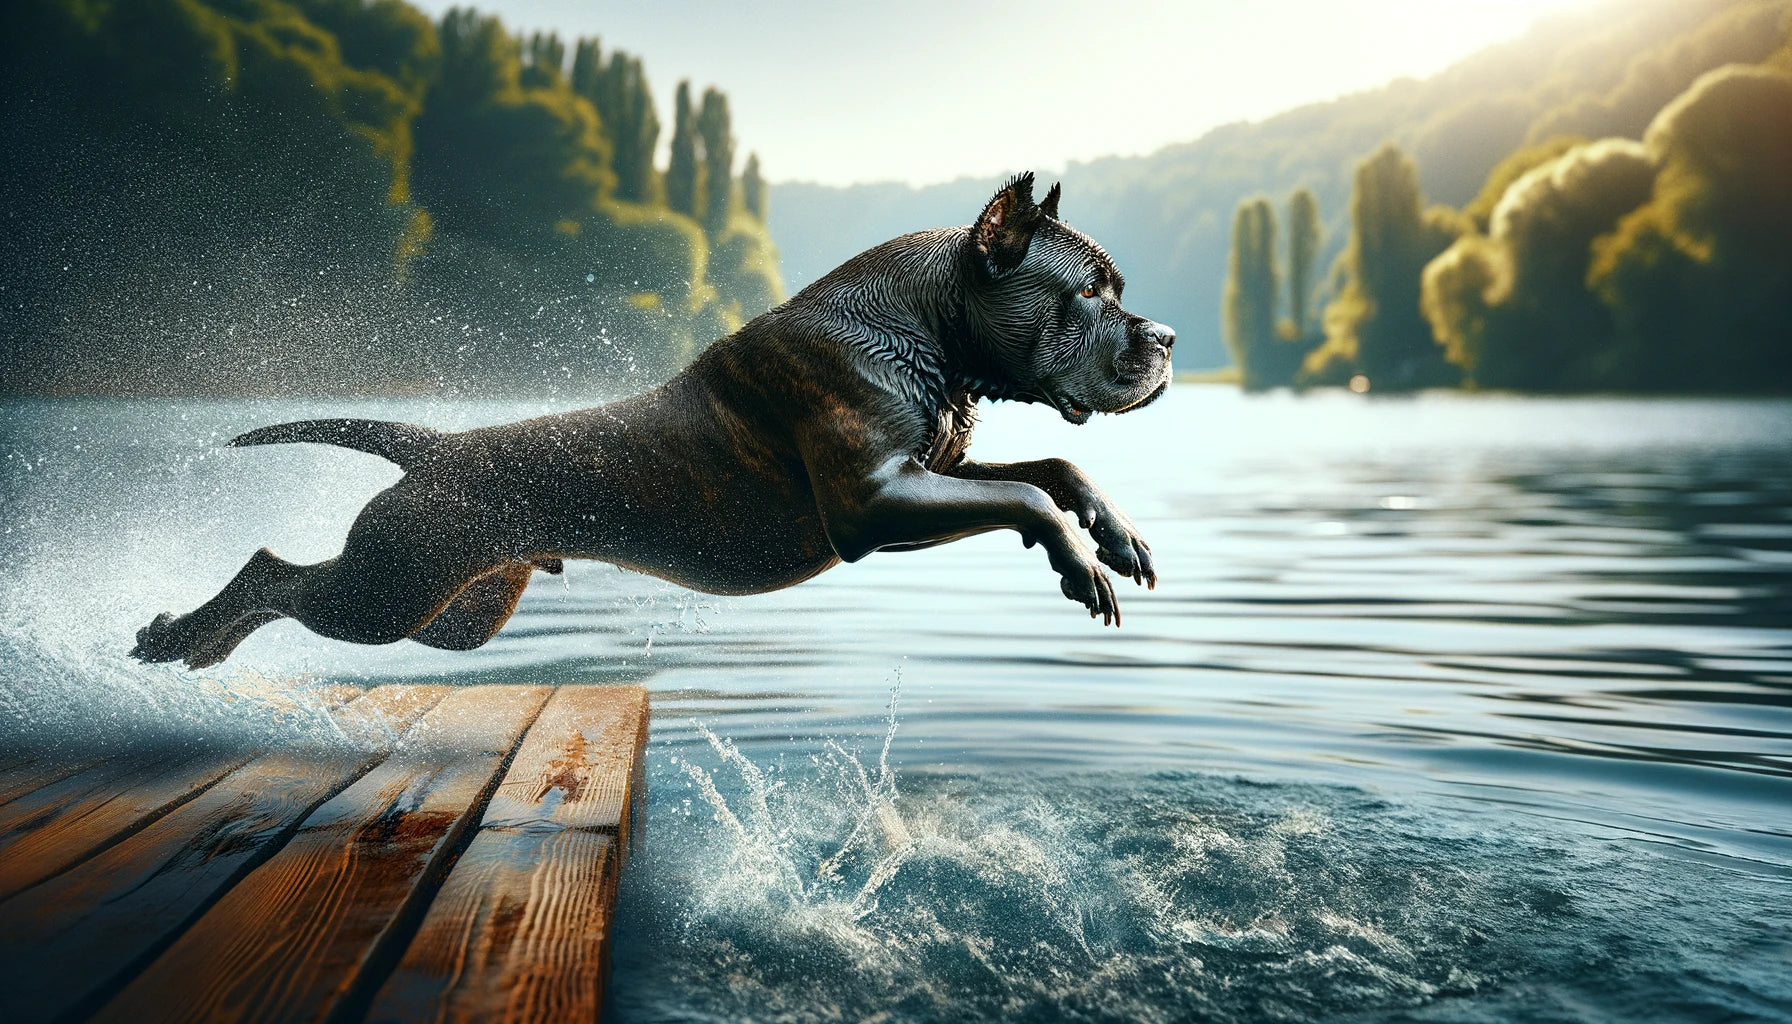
(905, 306)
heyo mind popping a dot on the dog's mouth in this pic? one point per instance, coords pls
(1077, 412)
(1156, 393)
(1073, 413)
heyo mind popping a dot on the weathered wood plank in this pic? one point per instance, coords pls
(27, 774)
(578, 767)
(307, 933)
(519, 933)
(61, 824)
(66, 942)
(521, 929)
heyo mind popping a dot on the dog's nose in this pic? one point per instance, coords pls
(1162, 334)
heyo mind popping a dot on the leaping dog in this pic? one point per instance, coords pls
(831, 427)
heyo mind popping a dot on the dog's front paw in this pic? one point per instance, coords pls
(1082, 580)
(158, 641)
(1119, 545)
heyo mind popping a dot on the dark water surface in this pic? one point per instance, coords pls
(1452, 708)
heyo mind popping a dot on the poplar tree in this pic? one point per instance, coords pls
(681, 168)
(1250, 307)
(754, 192)
(714, 127)
(1303, 253)
(543, 61)
(618, 88)
(1375, 327)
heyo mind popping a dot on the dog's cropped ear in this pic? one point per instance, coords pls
(1049, 206)
(1005, 227)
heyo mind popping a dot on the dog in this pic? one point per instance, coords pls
(830, 427)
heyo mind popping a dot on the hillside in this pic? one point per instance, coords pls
(1167, 217)
(327, 196)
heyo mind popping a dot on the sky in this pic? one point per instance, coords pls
(928, 90)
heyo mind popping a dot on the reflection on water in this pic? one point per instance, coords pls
(1457, 707)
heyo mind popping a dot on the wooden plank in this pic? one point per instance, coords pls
(384, 714)
(61, 824)
(521, 929)
(520, 933)
(307, 934)
(27, 774)
(17, 814)
(579, 765)
(67, 942)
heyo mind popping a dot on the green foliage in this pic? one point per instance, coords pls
(1304, 237)
(1512, 309)
(1374, 327)
(509, 156)
(1699, 279)
(338, 195)
(1250, 309)
(148, 143)
(1479, 210)
(618, 88)
(753, 189)
(744, 265)
(682, 169)
(715, 130)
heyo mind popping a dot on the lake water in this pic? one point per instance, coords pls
(1448, 708)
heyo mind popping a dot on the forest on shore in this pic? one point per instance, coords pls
(1582, 265)
(346, 197)
(1686, 281)
(342, 196)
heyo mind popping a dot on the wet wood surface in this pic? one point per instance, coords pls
(58, 825)
(113, 912)
(521, 929)
(456, 856)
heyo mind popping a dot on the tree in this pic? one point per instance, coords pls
(618, 88)
(498, 158)
(1250, 310)
(1699, 278)
(715, 128)
(753, 190)
(1374, 327)
(1512, 308)
(681, 169)
(1303, 253)
(543, 61)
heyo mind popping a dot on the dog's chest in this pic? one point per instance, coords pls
(951, 433)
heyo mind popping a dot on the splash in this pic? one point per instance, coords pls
(58, 691)
(832, 887)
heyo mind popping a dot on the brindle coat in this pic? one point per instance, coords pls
(831, 427)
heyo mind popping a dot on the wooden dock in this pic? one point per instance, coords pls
(455, 860)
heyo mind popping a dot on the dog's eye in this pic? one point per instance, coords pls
(1088, 291)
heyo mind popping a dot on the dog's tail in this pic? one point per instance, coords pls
(401, 443)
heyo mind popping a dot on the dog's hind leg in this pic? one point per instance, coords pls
(403, 563)
(221, 645)
(207, 635)
(478, 611)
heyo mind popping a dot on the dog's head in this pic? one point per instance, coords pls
(1044, 305)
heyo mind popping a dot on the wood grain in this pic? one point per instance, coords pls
(67, 942)
(578, 767)
(61, 824)
(307, 933)
(27, 773)
(520, 931)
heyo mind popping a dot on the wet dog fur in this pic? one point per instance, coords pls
(833, 426)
